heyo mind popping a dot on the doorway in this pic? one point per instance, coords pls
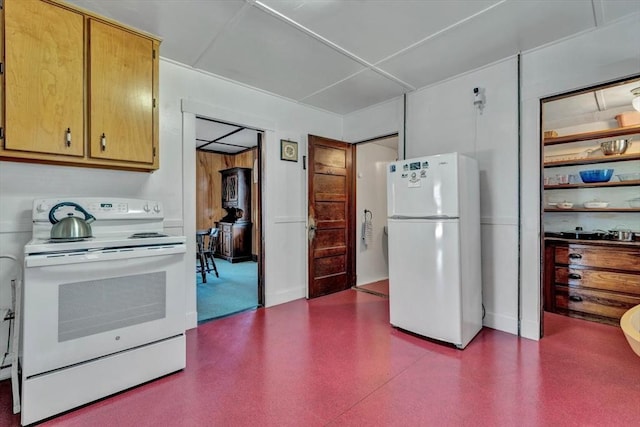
(372, 262)
(590, 180)
(228, 213)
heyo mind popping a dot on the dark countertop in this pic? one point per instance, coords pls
(634, 244)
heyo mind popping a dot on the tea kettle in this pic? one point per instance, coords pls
(70, 227)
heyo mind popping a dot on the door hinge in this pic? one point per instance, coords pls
(154, 151)
(304, 162)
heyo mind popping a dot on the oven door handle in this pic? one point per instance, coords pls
(42, 260)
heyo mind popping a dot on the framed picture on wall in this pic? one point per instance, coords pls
(288, 150)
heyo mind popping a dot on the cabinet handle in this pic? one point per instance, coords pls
(575, 298)
(103, 142)
(574, 276)
(575, 256)
(68, 136)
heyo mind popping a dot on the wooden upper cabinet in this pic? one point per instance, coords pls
(80, 89)
(121, 68)
(44, 89)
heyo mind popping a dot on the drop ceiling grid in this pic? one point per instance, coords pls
(265, 52)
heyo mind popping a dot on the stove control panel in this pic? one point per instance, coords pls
(99, 207)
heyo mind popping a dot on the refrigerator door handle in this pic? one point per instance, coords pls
(424, 217)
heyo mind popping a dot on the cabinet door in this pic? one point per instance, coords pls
(121, 66)
(44, 57)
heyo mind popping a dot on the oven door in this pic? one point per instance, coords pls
(85, 305)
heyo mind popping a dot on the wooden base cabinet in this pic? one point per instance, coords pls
(596, 282)
(234, 243)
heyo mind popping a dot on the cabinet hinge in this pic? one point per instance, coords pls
(154, 52)
(1, 133)
(154, 151)
(154, 103)
(1, 64)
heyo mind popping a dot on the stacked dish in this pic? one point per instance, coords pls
(629, 176)
(596, 205)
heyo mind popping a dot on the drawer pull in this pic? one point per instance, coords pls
(574, 276)
(575, 256)
(575, 298)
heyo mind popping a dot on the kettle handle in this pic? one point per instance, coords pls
(87, 216)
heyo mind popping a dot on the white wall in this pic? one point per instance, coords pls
(599, 56)
(185, 93)
(442, 118)
(284, 184)
(371, 176)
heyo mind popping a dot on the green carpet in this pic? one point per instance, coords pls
(235, 290)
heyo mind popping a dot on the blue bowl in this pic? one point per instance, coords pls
(596, 175)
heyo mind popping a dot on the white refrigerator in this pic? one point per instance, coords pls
(435, 286)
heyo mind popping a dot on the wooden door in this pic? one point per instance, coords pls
(331, 216)
(44, 78)
(121, 94)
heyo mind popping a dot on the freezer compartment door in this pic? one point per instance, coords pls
(424, 278)
(422, 187)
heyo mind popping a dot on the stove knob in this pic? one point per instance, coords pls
(156, 208)
(42, 207)
(146, 208)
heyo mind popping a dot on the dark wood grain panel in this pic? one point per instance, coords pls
(330, 265)
(330, 211)
(592, 302)
(330, 156)
(329, 252)
(328, 284)
(599, 279)
(612, 258)
(330, 237)
(329, 184)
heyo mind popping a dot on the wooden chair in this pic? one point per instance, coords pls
(209, 253)
(202, 266)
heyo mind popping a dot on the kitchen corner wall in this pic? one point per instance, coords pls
(442, 118)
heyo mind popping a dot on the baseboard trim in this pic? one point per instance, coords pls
(501, 323)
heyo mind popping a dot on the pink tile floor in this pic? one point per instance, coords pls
(335, 361)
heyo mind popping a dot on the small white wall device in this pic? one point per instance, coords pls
(478, 98)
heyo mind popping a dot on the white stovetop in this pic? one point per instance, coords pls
(45, 245)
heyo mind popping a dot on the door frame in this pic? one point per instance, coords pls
(190, 109)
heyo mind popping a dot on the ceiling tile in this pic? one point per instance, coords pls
(373, 30)
(615, 9)
(264, 52)
(496, 34)
(245, 138)
(209, 130)
(220, 148)
(186, 27)
(363, 89)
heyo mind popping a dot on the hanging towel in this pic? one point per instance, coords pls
(367, 228)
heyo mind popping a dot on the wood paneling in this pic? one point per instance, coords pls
(208, 189)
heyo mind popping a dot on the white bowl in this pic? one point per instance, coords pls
(629, 176)
(565, 205)
(596, 205)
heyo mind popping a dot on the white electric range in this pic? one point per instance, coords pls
(100, 314)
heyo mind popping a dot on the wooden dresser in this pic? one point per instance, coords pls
(235, 228)
(594, 281)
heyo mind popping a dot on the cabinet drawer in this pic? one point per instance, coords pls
(592, 302)
(605, 257)
(605, 280)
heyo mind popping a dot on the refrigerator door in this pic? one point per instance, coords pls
(424, 278)
(423, 187)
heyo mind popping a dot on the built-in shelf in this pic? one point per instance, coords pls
(592, 210)
(594, 160)
(606, 133)
(593, 185)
